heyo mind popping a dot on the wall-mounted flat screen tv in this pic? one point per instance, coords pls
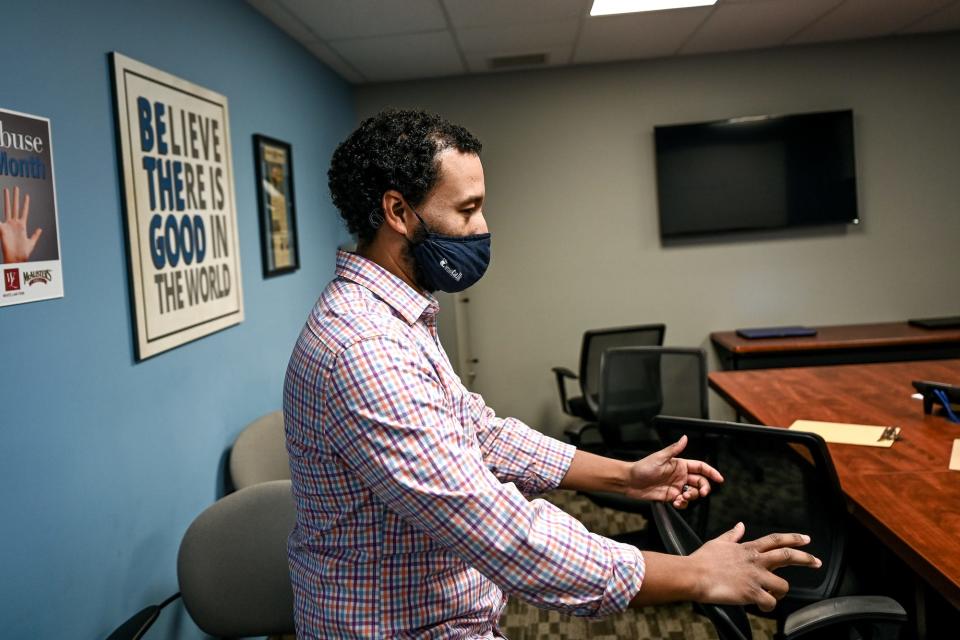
(756, 172)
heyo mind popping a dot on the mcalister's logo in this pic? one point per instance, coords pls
(41, 276)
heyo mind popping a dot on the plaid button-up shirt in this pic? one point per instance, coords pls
(412, 515)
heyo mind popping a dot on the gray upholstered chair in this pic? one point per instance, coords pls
(232, 567)
(259, 454)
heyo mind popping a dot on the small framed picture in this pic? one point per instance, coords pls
(278, 216)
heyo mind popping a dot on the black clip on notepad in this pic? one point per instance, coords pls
(776, 332)
(927, 388)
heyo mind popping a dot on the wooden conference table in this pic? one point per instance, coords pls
(838, 344)
(905, 494)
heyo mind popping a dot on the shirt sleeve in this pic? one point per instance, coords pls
(390, 422)
(514, 452)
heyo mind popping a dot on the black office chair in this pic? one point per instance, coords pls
(637, 384)
(232, 567)
(776, 480)
(595, 342)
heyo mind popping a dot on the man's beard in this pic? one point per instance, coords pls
(419, 235)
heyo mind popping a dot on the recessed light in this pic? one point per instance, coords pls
(611, 7)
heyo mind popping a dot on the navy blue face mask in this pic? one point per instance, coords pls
(450, 263)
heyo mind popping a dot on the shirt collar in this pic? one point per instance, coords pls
(409, 303)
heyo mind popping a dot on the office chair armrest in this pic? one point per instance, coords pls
(561, 374)
(138, 624)
(847, 609)
(576, 431)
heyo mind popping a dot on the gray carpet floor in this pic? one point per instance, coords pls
(522, 621)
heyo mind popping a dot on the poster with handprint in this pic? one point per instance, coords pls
(29, 235)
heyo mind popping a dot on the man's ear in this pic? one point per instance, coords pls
(395, 211)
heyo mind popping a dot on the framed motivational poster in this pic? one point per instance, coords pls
(181, 219)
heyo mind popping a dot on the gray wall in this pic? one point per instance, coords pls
(572, 206)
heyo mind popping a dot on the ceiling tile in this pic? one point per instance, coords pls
(340, 19)
(755, 25)
(557, 55)
(333, 60)
(281, 17)
(944, 20)
(866, 19)
(386, 58)
(637, 35)
(471, 13)
(515, 38)
(359, 39)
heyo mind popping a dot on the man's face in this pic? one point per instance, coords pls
(455, 205)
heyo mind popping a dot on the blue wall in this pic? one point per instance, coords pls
(104, 462)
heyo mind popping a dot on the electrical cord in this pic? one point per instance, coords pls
(945, 401)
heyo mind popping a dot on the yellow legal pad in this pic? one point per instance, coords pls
(843, 433)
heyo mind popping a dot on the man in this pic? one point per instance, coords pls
(413, 516)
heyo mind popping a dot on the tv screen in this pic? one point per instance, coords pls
(757, 172)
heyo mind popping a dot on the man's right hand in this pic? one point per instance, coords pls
(732, 572)
(725, 571)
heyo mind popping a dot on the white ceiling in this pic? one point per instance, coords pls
(387, 40)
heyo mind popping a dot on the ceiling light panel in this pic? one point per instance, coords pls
(614, 7)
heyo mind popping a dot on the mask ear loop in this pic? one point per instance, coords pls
(375, 218)
(410, 206)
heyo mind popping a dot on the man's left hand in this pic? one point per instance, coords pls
(664, 477)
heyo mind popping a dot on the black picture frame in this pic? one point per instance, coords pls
(279, 246)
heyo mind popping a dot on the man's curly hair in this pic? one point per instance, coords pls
(395, 149)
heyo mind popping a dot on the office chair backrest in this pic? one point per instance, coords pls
(597, 341)
(775, 480)
(260, 452)
(680, 539)
(232, 564)
(638, 383)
